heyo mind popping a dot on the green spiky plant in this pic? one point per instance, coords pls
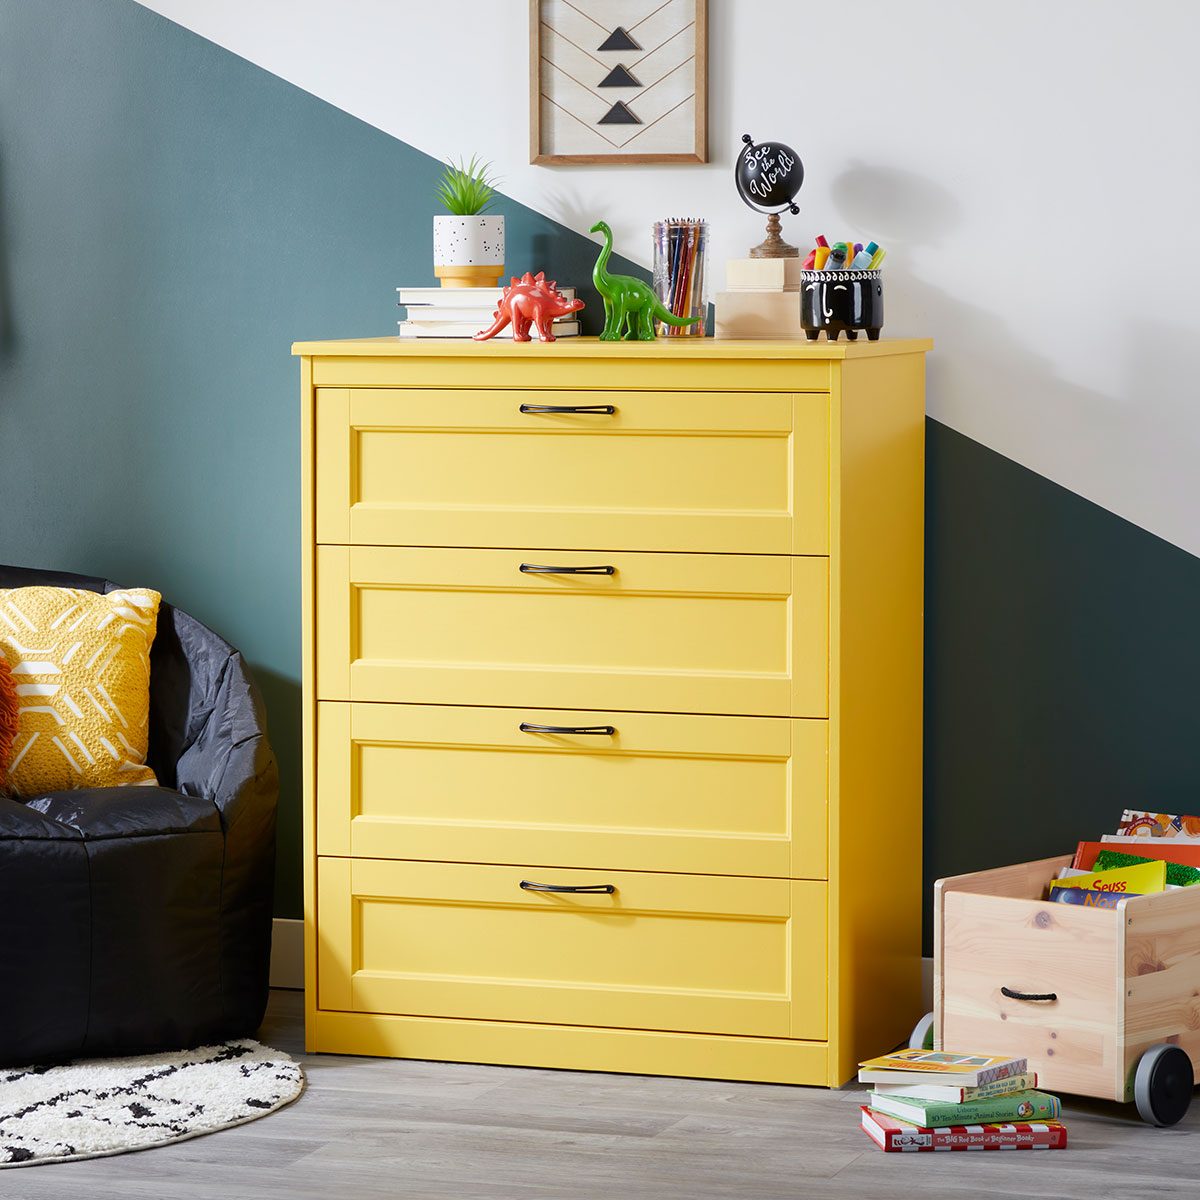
(466, 189)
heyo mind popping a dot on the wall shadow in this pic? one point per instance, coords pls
(282, 697)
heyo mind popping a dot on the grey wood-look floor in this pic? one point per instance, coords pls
(378, 1128)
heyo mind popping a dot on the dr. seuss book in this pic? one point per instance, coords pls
(1135, 880)
(951, 1093)
(1178, 875)
(893, 1135)
(1020, 1106)
(916, 1066)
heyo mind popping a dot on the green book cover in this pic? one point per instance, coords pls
(936, 1114)
(1177, 873)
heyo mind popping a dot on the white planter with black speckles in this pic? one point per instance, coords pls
(468, 251)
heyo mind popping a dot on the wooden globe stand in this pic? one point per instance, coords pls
(773, 245)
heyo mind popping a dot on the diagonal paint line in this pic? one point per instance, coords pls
(646, 18)
(571, 43)
(583, 123)
(574, 80)
(592, 19)
(661, 44)
(668, 75)
(656, 120)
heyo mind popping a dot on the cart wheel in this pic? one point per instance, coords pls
(1162, 1085)
(921, 1037)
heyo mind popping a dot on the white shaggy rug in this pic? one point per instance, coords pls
(111, 1105)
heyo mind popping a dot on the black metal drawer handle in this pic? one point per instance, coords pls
(606, 410)
(539, 569)
(1004, 991)
(588, 889)
(599, 730)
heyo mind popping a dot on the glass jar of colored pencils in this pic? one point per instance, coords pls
(680, 283)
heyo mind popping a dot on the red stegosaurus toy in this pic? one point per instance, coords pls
(530, 300)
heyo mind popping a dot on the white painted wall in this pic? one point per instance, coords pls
(1032, 167)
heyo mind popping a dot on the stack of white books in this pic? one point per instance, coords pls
(435, 312)
(761, 300)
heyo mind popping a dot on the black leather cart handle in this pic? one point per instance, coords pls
(606, 410)
(598, 730)
(540, 569)
(1014, 995)
(587, 889)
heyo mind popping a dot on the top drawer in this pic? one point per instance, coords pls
(717, 472)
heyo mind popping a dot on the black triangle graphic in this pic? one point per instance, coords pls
(619, 76)
(619, 115)
(618, 40)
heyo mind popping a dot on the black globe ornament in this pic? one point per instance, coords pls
(768, 175)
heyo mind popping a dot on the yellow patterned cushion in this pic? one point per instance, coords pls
(80, 663)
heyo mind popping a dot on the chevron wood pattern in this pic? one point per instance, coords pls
(648, 56)
(80, 669)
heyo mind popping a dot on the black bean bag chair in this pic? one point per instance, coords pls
(139, 919)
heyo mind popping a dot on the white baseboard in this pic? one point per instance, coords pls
(287, 953)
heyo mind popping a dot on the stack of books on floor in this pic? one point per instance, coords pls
(761, 300)
(435, 312)
(938, 1100)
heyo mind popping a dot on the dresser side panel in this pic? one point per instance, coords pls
(308, 689)
(876, 632)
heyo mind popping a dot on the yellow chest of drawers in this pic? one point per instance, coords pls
(612, 702)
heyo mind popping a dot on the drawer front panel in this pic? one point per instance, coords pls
(1033, 947)
(662, 633)
(700, 794)
(668, 471)
(675, 952)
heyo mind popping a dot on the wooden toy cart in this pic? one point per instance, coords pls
(1103, 1002)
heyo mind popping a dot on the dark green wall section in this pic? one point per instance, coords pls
(171, 219)
(1062, 665)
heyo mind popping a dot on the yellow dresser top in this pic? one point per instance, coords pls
(590, 347)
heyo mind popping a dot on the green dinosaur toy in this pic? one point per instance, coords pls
(630, 306)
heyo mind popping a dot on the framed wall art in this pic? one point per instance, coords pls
(618, 81)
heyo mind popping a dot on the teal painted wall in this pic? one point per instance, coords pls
(172, 218)
(1062, 665)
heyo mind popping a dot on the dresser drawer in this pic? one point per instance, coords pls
(723, 472)
(673, 952)
(717, 633)
(661, 792)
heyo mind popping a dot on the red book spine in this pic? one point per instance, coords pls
(894, 1136)
(1185, 853)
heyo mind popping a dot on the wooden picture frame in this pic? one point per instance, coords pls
(579, 47)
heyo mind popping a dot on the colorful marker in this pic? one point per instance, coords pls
(862, 261)
(821, 240)
(809, 261)
(821, 257)
(837, 257)
(858, 247)
(877, 258)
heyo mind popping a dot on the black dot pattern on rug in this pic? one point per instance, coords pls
(108, 1106)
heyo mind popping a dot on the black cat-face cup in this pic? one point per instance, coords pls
(834, 301)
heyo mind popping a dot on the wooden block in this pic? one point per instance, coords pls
(763, 274)
(758, 315)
